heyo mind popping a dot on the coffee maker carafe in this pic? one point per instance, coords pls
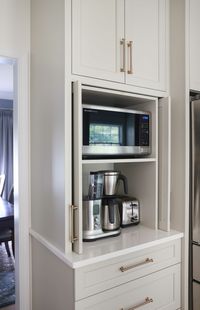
(110, 214)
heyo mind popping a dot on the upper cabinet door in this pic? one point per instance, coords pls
(97, 30)
(145, 32)
(194, 45)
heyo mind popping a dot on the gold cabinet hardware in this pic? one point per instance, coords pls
(125, 268)
(73, 237)
(123, 44)
(145, 302)
(130, 48)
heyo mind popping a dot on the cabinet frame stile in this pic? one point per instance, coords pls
(77, 166)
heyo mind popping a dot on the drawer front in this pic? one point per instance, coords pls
(98, 277)
(160, 290)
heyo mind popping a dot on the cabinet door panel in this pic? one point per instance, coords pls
(145, 26)
(194, 45)
(97, 28)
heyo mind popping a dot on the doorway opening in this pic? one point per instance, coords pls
(7, 204)
(21, 178)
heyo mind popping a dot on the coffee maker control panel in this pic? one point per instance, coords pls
(97, 224)
(92, 225)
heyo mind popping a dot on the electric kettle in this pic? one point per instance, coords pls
(111, 181)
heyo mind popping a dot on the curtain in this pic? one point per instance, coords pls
(6, 149)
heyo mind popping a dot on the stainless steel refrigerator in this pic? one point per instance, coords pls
(195, 204)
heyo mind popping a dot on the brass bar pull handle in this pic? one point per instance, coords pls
(73, 237)
(130, 46)
(122, 43)
(145, 302)
(125, 268)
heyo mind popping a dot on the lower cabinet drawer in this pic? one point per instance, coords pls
(160, 290)
(101, 276)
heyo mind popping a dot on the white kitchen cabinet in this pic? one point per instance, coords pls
(121, 41)
(194, 44)
(145, 27)
(160, 290)
(97, 30)
(149, 177)
(95, 278)
(150, 185)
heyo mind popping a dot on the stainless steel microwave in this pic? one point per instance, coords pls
(110, 132)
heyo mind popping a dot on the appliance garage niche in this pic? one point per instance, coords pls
(115, 193)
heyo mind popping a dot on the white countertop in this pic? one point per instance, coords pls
(131, 239)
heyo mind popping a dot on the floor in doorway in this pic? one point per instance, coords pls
(7, 278)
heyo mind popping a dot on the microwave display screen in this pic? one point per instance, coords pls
(113, 131)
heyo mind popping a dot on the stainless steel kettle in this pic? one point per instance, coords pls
(110, 214)
(111, 179)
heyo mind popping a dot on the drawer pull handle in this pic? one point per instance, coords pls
(145, 302)
(148, 260)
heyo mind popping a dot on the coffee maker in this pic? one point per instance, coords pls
(101, 216)
(111, 202)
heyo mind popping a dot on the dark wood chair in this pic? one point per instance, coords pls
(6, 236)
(2, 183)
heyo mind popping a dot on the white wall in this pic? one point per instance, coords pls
(14, 43)
(14, 28)
(48, 120)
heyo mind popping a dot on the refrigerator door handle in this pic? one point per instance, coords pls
(195, 169)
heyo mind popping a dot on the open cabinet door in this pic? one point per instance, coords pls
(164, 162)
(76, 218)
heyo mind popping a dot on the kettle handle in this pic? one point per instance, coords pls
(124, 179)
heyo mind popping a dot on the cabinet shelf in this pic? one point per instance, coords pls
(118, 160)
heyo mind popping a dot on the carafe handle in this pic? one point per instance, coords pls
(111, 210)
(125, 182)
